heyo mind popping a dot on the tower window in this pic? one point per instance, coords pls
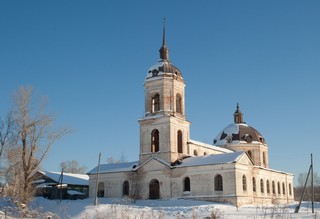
(155, 103)
(154, 141)
(186, 184)
(179, 141)
(264, 158)
(250, 154)
(179, 103)
(218, 183)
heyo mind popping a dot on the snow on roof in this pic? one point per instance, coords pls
(68, 178)
(74, 192)
(225, 150)
(211, 159)
(115, 167)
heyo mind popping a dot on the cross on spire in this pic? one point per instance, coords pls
(164, 51)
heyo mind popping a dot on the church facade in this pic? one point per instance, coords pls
(234, 169)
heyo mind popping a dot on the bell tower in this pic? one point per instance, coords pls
(164, 130)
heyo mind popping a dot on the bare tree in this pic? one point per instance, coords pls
(5, 133)
(122, 159)
(72, 167)
(13, 172)
(33, 134)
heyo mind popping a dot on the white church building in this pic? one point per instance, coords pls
(235, 169)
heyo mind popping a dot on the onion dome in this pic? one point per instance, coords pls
(238, 132)
(164, 67)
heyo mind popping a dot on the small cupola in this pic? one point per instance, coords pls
(238, 116)
(164, 67)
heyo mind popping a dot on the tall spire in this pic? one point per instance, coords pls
(164, 51)
(238, 116)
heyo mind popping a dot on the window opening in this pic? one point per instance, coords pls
(218, 183)
(179, 141)
(154, 141)
(125, 188)
(186, 184)
(244, 183)
(254, 188)
(155, 103)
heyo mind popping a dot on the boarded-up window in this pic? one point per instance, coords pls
(179, 103)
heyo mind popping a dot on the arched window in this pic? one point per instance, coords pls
(154, 141)
(155, 103)
(244, 183)
(279, 191)
(273, 188)
(204, 153)
(218, 183)
(125, 188)
(268, 187)
(195, 153)
(250, 154)
(179, 141)
(283, 189)
(100, 192)
(186, 184)
(178, 103)
(254, 186)
(261, 186)
(290, 189)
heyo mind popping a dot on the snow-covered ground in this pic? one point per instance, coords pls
(162, 209)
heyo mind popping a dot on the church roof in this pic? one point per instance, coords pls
(115, 167)
(211, 159)
(238, 132)
(210, 146)
(68, 178)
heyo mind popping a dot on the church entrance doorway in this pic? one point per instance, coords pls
(154, 189)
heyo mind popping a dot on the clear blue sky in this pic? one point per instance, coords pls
(91, 57)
